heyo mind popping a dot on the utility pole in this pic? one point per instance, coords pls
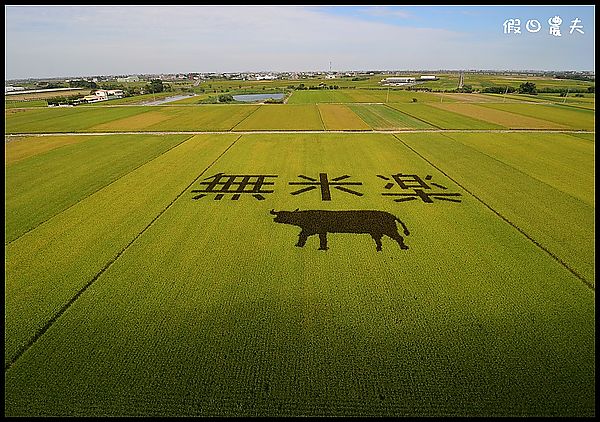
(504, 96)
(388, 95)
(566, 95)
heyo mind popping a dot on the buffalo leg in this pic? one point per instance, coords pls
(323, 241)
(399, 239)
(377, 239)
(302, 238)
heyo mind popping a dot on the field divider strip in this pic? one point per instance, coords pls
(40, 332)
(248, 132)
(249, 114)
(518, 170)
(347, 105)
(414, 117)
(580, 139)
(97, 190)
(321, 116)
(520, 230)
(378, 114)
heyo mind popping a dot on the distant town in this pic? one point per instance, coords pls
(16, 85)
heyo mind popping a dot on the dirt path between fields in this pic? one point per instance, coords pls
(9, 137)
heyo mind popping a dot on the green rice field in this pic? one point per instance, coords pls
(360, 96)
(235, 260)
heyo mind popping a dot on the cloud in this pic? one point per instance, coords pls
(98, 40)
(386, 12)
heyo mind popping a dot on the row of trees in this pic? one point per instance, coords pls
(64, 100)
(155, 86)
(527, 88)
(80, 83)
(524, 88)
(320, 86)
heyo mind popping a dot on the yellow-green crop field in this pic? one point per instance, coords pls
(360, 96)
(502, 117)
(341, 117)
(298, 117)
(336, 256)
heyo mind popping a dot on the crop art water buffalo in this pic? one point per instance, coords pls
(321, 222)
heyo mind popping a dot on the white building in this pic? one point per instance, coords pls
(132, 78)
(396, 81)
(13, 88)
(406, 80)
(103, 95)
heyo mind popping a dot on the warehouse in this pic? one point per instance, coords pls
(395, 81)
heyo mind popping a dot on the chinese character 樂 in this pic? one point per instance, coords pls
(419, 187)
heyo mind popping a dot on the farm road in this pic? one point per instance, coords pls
(253, 132)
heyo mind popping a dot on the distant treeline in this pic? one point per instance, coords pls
(546, 90)
(576, 77)
(525, 88)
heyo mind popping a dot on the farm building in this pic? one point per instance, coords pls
(132, 78)
(103, 95)
(13, 88)
(398, 81)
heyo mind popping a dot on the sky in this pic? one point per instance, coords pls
(59, 41)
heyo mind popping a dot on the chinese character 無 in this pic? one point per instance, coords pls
(234, 184)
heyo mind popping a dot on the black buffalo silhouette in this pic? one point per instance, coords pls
(321, 222)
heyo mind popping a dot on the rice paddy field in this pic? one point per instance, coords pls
(155, 266)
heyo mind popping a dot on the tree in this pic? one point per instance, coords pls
(591, 89)
(498, 89)
(80, 83)
(155, 86)
(527, 88)
(226, 98)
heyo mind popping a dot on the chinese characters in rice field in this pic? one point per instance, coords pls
(400, 186)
